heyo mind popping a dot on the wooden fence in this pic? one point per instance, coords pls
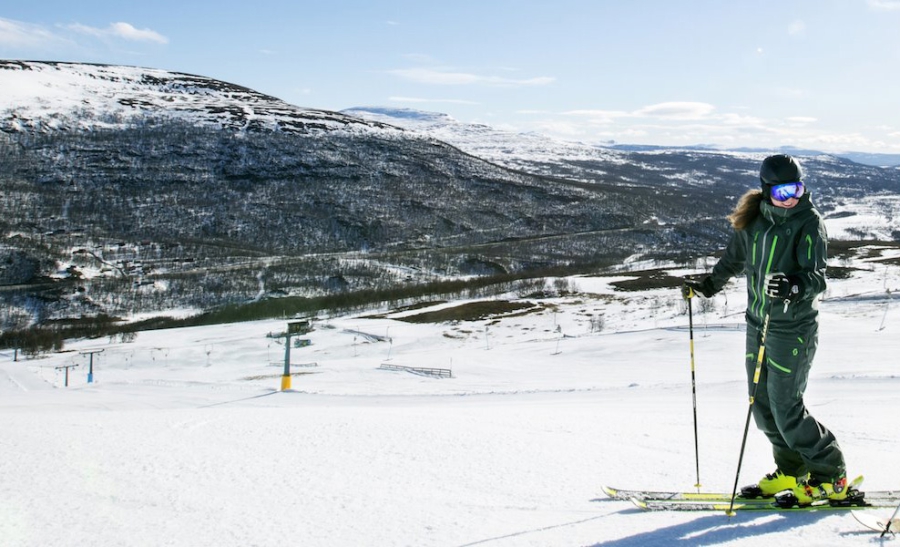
(439, 372)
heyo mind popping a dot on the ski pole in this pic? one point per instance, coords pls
(690, 296)
(887, 527)
(756, 374)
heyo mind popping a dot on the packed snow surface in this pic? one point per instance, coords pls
(185, 439)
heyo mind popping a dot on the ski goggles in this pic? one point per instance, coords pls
(787, 190)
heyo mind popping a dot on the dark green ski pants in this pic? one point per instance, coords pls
(800, 444)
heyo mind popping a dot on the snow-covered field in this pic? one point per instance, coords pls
(184, 438)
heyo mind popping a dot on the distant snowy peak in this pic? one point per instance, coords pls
(507, 148)
(55, 96)
(404, 117)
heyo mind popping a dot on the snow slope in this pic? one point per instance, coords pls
(48, 96)
(184, 440)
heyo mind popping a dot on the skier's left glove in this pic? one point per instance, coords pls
(703, 286)
(784, 287)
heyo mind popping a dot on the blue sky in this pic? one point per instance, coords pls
(821, 74)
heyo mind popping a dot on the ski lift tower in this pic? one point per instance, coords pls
(294, 327)
(91, 353)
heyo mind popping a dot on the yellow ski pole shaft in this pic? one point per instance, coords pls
(756, 374)
(690, 296)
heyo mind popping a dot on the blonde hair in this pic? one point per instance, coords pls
(746, 210)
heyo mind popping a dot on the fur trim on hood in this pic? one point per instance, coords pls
(746, 210)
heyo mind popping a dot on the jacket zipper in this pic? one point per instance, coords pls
(765, 270)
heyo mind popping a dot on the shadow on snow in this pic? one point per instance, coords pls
(717, 528)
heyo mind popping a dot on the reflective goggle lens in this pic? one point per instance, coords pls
(786, 191)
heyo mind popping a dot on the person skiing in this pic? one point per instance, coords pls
(779, 242)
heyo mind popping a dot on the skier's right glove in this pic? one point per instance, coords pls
(783, 286)
(703, 286)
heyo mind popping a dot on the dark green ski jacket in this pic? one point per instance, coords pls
(789, 241)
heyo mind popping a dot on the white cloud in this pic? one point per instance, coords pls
(420, 100)
(121, 30)
(600, 117)
(84, 29)
(787, 92)
(598, 113)
(632, 133)
(797, 28)
(674, 110)
(17, 34)
(838, 141)
(884, 5)
(677, 110)
(125, 30)
(730, 119)
(441, 77)
(680, 123)
(802, 120)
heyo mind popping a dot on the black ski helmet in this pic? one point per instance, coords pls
(779, 169)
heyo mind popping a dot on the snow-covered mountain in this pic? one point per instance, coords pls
(154, 177)
(861, 201)
(126, 172)
(530, 152)
(526, 149)
(46, 96)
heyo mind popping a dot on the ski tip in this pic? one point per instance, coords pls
(875, 523)
(610, 491)
(640, 504)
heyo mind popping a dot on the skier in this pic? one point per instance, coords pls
(779, 242)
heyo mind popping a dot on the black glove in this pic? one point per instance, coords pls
(703, 286)
(785, 287)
